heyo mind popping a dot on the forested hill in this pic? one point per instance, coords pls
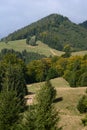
(56, 31)
(84, 24)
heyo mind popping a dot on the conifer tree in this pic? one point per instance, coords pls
(43, 115)
(46, 116)
(11, 98)
(10, 109)
(14, 79)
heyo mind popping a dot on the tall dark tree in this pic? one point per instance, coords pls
(46, 116)
(15, 80)
(10, 109)
(13, 69)
(43, 116)
(30, 119)
(12, 93)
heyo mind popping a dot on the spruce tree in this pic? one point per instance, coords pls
(14, 80)
(10, 109)
(43, 115)
(29, 119)
(46, 116)
(11, 98)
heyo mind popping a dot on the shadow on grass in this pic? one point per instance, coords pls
(30, 93)
(58, 100)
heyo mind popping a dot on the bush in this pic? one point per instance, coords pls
(52, 73)
(84, 121)
(83, 79)
(82, 105)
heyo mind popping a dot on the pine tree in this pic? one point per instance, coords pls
(29, 119)
(46, 116)
(14, 80)
(11, 98)
(43, 115)
(10, 109)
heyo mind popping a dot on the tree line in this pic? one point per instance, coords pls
(24, 55)
(72, 68)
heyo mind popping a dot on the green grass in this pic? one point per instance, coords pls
(70, 118)
(79, 53)
(41, 48)
(20, 45)
(57, 82)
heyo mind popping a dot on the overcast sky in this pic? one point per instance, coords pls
(15, 14)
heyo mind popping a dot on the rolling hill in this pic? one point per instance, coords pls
(70, 118)
(54, 30)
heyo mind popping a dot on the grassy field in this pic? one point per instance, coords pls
(20, 45)
(41, 48)
(79, 53)
(70, 118)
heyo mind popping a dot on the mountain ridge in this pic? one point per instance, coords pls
(84, 24)
(54, 30)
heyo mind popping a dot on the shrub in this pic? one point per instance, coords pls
(82, 105)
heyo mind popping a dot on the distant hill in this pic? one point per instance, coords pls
(54, 30)
(84, 24)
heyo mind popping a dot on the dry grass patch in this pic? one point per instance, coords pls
(70, 118)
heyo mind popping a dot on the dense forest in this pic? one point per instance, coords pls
(54, 30)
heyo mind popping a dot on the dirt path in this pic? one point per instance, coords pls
(53, 52)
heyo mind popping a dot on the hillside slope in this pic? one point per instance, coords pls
(84, 24)
(56, 31)
(20, 45)
(70, 118)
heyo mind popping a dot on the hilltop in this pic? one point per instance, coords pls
(84, 24)
(54, 30)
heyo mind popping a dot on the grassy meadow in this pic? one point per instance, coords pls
(70, 118)
(20, 45)
(79, 53)
(41, 48)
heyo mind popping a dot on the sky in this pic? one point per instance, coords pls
(15, 14)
